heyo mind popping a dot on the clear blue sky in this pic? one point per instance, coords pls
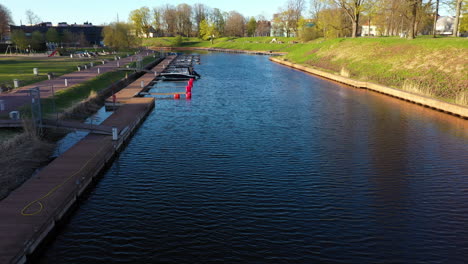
(105, 11)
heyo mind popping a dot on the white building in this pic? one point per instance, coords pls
(444, 25)
(367, 30)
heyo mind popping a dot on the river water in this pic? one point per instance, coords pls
(270, 165)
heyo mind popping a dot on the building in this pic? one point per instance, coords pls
(92, 34)
(444, 25)
(279, 27)
(371, 30)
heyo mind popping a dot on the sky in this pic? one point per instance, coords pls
(105, 11)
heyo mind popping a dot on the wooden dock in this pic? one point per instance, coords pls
(136, 87)
(31, 212)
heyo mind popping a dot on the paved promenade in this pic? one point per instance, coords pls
(19, 97)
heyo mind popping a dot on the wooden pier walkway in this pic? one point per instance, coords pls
(30, 213)
(136, 87)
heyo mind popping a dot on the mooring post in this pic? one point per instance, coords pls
(98, 70)
(2, 105)
(115, 135)
(142, 84)
(118, 64)
(66, 82)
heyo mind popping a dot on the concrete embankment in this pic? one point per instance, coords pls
(254, 52)
(30, 213)
(453, 109)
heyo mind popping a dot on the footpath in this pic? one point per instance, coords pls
(20, 97)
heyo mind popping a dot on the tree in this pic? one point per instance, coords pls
(82, 40)
(294, 9)
(170, 20)
(141, 21)
(158, 20)
(436, 16)
(235, 25)
(307, 30)
(251, 27)
(19, 38)
(219, 21)
(118, 36)
(334, 23)
(52, 35)
(207, 31)
(5, 21)
(457, 17)
(184, 21)
(200, 13)
(263, 27)
(353, 9)
(32, 18)
(67, 37)
(37, 40)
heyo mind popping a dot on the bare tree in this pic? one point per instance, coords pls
(353, 9)
(200, 13)
(218, 20)
(263, 26)
(32, 18)
(157, 20)
(294, 9)
(184, 19)
(170, 20)
(235, 25)
(5, 21)
(457, 17)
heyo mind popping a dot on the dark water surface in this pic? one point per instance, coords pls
(269, 165)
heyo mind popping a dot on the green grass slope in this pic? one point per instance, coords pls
(432, 67)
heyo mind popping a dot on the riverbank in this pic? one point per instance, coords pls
(453, 109)
(436, 68)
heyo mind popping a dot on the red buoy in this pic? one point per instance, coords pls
(176, 96)
(188, 95)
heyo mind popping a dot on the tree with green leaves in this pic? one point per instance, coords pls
(208, 31)
(251, 27)
(37, 40)
(52, 35)
(118, 36)
(141, 19)
(19, 38)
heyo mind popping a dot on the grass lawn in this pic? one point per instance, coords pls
(21, 67)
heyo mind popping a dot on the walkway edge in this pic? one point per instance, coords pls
(454, 109)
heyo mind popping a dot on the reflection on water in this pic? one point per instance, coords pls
(269, 165)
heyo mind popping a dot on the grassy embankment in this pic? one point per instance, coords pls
(433, 67)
